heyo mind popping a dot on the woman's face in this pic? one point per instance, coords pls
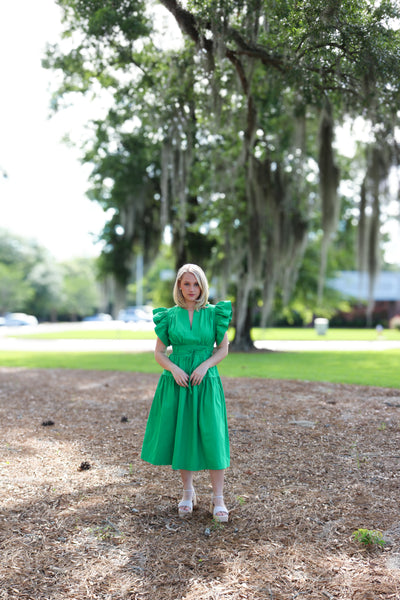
(190, 288)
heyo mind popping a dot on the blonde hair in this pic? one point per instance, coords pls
(201, 279)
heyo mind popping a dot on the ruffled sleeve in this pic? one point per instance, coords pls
(160, 318)
(223, 316)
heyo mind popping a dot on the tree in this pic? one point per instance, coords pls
(45, 279)
(19, 251)
(32, 281)
(19, 257)
(15, 291)
(124, 181)
(280, 76)
(81, 294)
(321, 54)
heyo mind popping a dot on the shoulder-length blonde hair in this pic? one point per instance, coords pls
(201, 279)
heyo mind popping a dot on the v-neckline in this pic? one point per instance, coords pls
(188, 314)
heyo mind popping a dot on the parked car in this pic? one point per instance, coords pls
(98, 317)
(17, 319)
(136, 314)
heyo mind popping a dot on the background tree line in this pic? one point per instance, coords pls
(226, 140)
(32, 281)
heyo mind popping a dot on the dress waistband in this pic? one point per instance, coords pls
(191, 349)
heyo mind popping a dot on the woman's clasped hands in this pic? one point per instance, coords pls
(182, 378)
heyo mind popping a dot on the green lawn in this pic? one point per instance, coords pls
(282, 333)
(100, 334)
(363, 368)
(309, 334)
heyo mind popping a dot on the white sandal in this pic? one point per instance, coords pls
(219, 508)
(185, 507)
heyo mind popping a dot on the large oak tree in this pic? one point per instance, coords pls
(241, 115)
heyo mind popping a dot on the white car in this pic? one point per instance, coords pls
(136, 314)
(98, 317)
(17, 319)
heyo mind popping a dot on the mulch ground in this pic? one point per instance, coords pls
(83, 517)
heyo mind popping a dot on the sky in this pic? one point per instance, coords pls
(43, 195)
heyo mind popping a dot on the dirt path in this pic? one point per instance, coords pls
(311, 463)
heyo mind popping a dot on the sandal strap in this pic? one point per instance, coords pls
(214, 498)
(219, 507)
(189, 502)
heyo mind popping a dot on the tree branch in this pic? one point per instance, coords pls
(255, 51)
(189, 26)
(184, 18)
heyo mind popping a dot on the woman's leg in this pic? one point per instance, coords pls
(187, 481)
(217, 482)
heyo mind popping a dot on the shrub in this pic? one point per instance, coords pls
(369, 537)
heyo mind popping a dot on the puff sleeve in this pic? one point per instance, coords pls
(223, 316)
(160, 318)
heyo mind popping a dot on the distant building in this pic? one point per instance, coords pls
(354, 286)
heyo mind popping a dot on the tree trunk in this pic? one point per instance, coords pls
(268, 301)
(322, 268)
(243, 321)
(119, 297)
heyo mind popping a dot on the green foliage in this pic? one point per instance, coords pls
(28, 275)
(124, 181)
(217, 138)
(158, 281)
(108, 19)
(32, 281)
(46, 279)
(369, 538)
(80, 291)
(21, 252)
(15, 291)
(107, 533)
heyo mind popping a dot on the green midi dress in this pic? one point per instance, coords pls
(187, 427)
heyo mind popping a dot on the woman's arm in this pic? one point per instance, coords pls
(178, 374)
(221, 352)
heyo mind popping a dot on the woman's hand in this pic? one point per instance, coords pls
(161, 357)
(198, 374)
(180, 376)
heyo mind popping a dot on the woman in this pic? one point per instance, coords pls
(187, 425)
